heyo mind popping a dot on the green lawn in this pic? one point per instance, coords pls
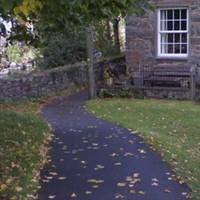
(171, 127)
(23, 147)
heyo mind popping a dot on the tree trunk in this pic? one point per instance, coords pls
(90, 52)
(109, 37)
(116, 34)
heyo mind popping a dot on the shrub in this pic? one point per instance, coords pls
(60, 49)
(14, 53)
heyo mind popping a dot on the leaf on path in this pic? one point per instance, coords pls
(132, 191)
(83, 162)
(121, 184)
(128, 154)
(154, 184)
(136, 175)
(51, 196)
(142, 151)
(131, 142)
(73, 195)
(99, 167)
(167, 190)
(114, 155)
(118, 164)
(141, 192)
(95, 181)
(88, 192)
(62, 178)
(53, 173)
(95, 186)
(119, 196)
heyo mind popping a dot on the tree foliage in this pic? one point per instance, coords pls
(56, 16)
(74, 11)
(59, 49)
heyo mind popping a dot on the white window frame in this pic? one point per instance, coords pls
(159, 32)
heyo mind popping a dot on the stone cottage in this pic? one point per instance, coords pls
(169, 35)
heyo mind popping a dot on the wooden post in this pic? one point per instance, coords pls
(90, 52)
(193, 83)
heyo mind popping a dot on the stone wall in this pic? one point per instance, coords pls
(42, 84)
(157, 93)
(141, 34)
(48, 82)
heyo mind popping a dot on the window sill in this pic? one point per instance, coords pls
(184, 58)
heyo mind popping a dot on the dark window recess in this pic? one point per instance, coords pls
(170, 38)
(170, 14)
(177, 38)
(177, 25)
(176, 14)
(184, 14)
(183, 25)
(170, 25)
(184, 38)
(177, 48)
(184, 48)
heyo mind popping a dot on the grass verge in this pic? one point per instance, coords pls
(170, 127)
(22, 154)
(24, 138)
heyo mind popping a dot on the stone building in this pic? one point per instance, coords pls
(169, 35)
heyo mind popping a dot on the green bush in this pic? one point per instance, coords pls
(60, 49)
(20, 53)
(14, 53)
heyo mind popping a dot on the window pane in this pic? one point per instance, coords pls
(177, 37)
(184, 48)
(177, 25)
(184, 38)
(170, 14)
(163, 15)
(163, 25)
(177, 48)
(170, 48)
(183, 25)
(164, 48)
(164, 38)
(170, 25)
(170, 38)
(184, 14)
(177, 14)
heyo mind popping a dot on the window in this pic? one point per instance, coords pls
(173, 33)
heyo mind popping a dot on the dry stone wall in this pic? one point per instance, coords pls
(48, 82)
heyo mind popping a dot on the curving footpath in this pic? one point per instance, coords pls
(92, 159)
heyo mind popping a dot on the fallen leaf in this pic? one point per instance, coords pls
(73, 195)
(52, 196)
(121, 184)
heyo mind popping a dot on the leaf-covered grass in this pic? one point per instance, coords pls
(22, 137)
(171, 127)
(23, 147)
(32, 107)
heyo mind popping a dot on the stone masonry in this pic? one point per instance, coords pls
(48, 82)
(141, 34)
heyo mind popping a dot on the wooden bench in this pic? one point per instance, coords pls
(179, 76)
